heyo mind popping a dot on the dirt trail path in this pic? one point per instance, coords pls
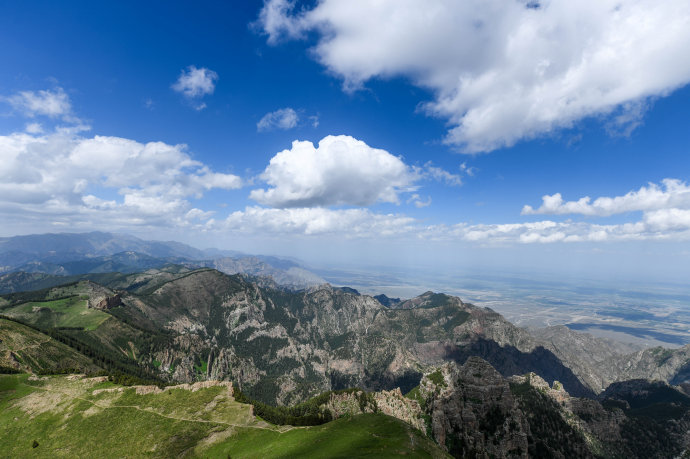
(29, 346)
(175, 418)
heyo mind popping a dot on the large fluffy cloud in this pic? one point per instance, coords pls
(340, 171)
(503, 70)
(66, 177)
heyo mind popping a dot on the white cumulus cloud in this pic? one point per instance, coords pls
(63, 176)
(668, 219)
(503, 70)
(284, 118)
(341, 170)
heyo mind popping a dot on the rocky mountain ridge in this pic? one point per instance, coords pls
(284, 346)
(471, 410)
(474, 411)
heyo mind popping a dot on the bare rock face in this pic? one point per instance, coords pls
(391, 403)
(684, 388)
(600, 362)
(394, 404)
(283, 347)
(556, 392)
(473, 411)
(350, 404)
(585, 419)
(109, 302)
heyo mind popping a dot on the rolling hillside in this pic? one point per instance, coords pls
(73, 416)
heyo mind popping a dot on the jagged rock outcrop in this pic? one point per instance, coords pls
(391, 403)
(350, 404)
(109, 302)
(394, 404)
(473, 412)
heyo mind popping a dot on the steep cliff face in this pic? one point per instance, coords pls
(599, 362)
(285, 346)
(670, 365)
(472, 412)
(391, 403)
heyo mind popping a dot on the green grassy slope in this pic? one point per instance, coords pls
(31, 350)
(64, 312)
(365, 435)
(61, 416)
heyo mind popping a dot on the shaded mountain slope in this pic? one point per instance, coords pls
(472, 411)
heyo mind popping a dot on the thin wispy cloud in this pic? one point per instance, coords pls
(441, 175)
(53, 103)
(284, 119)
(664, 225)
(416, 199)
(34, 128)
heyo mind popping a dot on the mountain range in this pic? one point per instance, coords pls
(70, 254)
(476, 385)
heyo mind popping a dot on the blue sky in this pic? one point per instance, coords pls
(438, 125)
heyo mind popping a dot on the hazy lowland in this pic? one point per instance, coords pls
(161, 349)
